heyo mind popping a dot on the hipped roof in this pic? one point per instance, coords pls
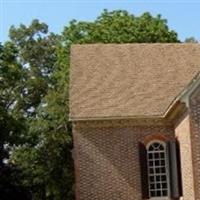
(129, 80)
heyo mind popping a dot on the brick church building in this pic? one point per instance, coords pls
(135, 110)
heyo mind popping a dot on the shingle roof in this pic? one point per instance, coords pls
(129, 80)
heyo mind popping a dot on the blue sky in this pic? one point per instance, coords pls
(183, 15)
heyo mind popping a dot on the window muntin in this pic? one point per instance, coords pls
(157, 169)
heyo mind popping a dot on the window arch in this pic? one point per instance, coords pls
(157, 164)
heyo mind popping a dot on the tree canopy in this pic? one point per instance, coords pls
(34, 84)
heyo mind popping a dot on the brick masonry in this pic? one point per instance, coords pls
(107, 154)
(195, 138)
(108, 160)
(182, 132)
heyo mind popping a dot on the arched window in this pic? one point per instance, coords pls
(157, 164)
(160, 170)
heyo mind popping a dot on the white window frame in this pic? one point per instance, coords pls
(167, 197)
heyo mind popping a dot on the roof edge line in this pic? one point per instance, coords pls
(115, 118)
(190, 87)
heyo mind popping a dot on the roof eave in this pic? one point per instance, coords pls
(115, 118)
(183, 97)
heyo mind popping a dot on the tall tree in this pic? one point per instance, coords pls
(11, 75)
(46, 157)
(26, 67)
(36, 52)
(120, 27)
(191, 40)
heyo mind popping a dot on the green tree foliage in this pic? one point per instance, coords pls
(120, 27)
(26, 73)
(191, 40)
(45, 154)
(36, 53)
(11, 76)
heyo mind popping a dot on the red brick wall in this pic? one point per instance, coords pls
(182, 132)
(107, 160)
(195, 138)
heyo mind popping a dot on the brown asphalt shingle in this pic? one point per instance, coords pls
(129, 80)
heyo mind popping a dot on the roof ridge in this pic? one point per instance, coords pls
(137, 44)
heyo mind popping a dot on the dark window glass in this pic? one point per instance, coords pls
(157, 163)
(156, 155)
(158, 193)
(151, 171)
(152, 186)
(163, 178)
(150, 156)
(164, 192)
(163, 170)
(152, 179)
(157, 178)
(153, 194)
(162, 162)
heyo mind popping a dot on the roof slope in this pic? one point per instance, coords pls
(129, 80)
